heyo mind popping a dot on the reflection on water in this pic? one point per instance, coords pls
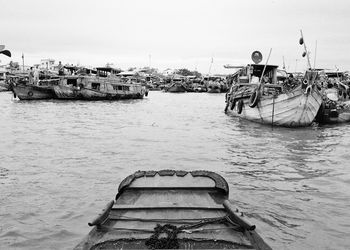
(61, 161)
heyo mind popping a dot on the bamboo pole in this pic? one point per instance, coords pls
(307, 54)
(262, 75)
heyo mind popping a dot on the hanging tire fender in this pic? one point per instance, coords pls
(254, 99)
(240, 105)
(30, 93)
(232, 103)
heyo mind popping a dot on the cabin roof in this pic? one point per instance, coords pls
(71, 67)
(263, 65)
(107, 69)
(128, 73)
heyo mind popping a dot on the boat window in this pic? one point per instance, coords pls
(126, 88)
(72, 82)
(95, 85)
(102, 73)
(120, 87)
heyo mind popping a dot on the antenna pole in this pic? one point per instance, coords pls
(315, 55)
(211, 63)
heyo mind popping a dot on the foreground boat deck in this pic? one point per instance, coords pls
(196, 214)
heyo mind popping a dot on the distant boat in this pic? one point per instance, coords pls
(215, 84)
(104, 85)
(213, 87)
(177, 85)
(169, 209)
(270, 102)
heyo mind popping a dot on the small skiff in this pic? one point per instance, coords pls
(172, 209)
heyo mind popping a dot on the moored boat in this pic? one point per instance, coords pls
(272, 103)
(111, 89)
(104, 85)
(334, 108)
(190, 208)
(41, 90)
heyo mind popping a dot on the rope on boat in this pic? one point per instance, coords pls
(171, 241)
(273, 109)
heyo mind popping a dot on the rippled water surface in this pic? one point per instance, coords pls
(62, 161)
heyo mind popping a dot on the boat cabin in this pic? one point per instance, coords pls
(178, 80)
(107, 71)
(255, 71)
(213, 78)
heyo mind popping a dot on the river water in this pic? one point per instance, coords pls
(62, 161)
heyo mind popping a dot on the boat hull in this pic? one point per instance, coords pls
(91, 94)
(66, 92)
(193, 203)
(4, 86)
(327, 115)
(293, 109)
(33, 92)
(214, 88)
(176, 88)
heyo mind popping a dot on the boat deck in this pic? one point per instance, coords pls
(196, 214)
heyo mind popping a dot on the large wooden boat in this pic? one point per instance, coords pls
(172, 209)
(102, 84)
(271, 102)
(105, 85)
(111, 89)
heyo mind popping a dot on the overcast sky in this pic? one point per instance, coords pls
(176, 33)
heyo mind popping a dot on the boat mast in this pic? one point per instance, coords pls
(211, 63)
